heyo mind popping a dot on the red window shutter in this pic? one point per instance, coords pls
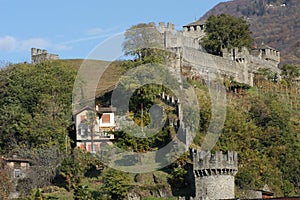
(105, 118)
(97, 147)
(89, 148)
(82, 146)
(82, 117)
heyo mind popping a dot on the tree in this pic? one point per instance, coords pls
(260, 129)
(142, 41)
(116, 184)
(264, 74)
(72, 172)
(76, 166)
(225, 31)
(5, 184)
(81, 192)
(91, 121)
(178, 174)
(289, 72)
(37, 194)
(35, 104)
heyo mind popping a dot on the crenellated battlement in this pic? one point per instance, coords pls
(168, 99)
(241, 64)
(213, 164)
(162, 27)
(40, 55)
(182, 132)
(214, 174)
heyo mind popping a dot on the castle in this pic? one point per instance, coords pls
(40, 55)
(240, 64)
(213, 174)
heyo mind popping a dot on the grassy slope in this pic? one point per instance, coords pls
(110, 76)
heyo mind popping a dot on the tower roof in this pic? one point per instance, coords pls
(264, 46)
(196, 23)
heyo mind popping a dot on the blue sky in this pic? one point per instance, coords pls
(73, 28)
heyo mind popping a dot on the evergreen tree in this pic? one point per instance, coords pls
(116, 184)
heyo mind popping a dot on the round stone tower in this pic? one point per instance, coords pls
(214, 174)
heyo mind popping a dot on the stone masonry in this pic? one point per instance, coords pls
(40, 55)
(214, 174)
(240, 64)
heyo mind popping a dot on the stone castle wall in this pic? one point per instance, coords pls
(40, 55)
(239, 64)
(182, 132)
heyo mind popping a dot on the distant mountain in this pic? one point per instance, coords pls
(274, 22)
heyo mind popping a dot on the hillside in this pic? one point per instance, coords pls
(109, 78)
(262, 125)
(274, 22)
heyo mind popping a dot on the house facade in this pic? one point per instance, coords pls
(93, 128)
(16, 168)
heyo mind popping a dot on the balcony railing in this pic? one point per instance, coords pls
(96, 136)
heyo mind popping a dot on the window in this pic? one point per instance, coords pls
(83, 132)
(94, 150)
(82, 146)
(83, 129)
(106, 118)
(17, 173)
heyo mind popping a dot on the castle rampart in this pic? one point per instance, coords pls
(241, 64)
(182, 132)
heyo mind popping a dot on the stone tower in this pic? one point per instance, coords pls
(214, 174)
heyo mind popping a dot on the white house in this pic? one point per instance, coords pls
(93, 128)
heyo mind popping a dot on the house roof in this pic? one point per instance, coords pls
(266, 190)
(16, 160)
(83, 109)
(107, 109)
(100, 111)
